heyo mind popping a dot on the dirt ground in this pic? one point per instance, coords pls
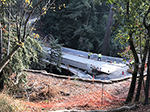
(48, 93)
(59, 94)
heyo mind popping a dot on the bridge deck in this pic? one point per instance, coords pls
(75, 60)
(84, 63)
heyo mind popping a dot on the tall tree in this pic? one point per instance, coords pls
(133, 30)
(1, 41)
(147, 26)
(80, 25)
(147, 80)
(1, 81)
(105, 46)
(23, 30)
(144, 55)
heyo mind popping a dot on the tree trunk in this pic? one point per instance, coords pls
(142, 71)
(144, 57)
(134, 74)
(1, 82)
(1, 44)
(1, 52)
(108, 32)
(3, 64)
(147, 80)
(132, 86)
(5, 61)
(147, 26)
(1, 49)
(9, 28)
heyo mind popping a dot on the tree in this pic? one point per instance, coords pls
(134, 31)
(1, 81)
(80, 25)
(1, 45)
(22, 27)
(54, 53)
(108, 32)
(147, 26)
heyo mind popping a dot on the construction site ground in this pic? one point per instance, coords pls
(53, 94)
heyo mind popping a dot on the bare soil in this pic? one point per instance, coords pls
(58, 94)
(51, 94)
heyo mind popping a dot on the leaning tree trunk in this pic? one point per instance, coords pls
(134, 74)
(1, 52)
(147, 26)
(144, 57)
(108, 32)
(147, 80)
(4, 62)
(1, 47)
(142, 71)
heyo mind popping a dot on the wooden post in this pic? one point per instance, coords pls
(93, 79)
(102, 95)
(102, 92)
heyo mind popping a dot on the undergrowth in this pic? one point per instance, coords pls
(10, 104)
(4, 106)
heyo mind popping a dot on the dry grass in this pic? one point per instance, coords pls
(16, 105)
(4, 106)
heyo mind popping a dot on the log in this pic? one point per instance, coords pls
(123, 108)
(80, 79)
(67, 77)
(119, 109)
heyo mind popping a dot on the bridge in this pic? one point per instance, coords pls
(77, 62)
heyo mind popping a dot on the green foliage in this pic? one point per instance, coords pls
(132, 23)
(80, 25)
(132, 17)
(39, 64)
(22, 59)
(54, 53)
(16, 83)
(16, 38)
(29, 49)
(24, 56)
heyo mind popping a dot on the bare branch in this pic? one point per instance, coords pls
(38, 17)
(25, 11)
(29, 18)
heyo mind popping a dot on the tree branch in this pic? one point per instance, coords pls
(25, 27)
(5, 61)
